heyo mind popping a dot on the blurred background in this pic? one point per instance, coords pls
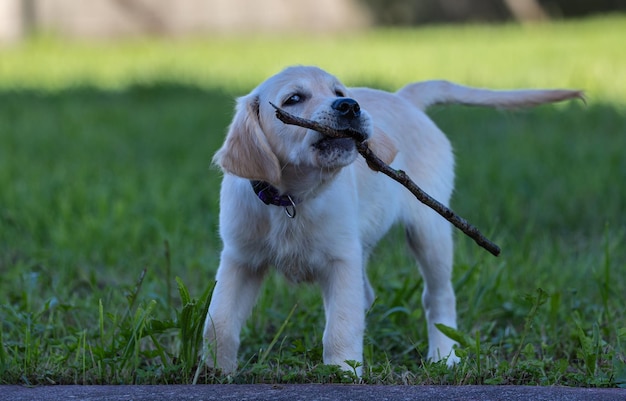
(116, 18)
(110, 111)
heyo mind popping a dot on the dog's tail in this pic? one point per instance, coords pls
(429, 93)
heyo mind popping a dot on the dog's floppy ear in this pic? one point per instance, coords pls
(383, 146)
(246, 152)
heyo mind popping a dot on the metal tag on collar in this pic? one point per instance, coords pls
(290, 210)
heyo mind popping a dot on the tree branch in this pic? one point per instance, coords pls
(376, 164)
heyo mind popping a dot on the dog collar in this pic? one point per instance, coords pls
(270, 195)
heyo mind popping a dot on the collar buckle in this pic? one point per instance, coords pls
(270, 195)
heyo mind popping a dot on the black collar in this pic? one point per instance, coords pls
(270, 195)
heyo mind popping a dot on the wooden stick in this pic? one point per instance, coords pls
(376, 164)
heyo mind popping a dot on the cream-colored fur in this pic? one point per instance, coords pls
(343, 208)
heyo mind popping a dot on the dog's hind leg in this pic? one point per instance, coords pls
(370, 296)
(430, 239)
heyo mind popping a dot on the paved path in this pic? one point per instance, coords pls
(308, 392)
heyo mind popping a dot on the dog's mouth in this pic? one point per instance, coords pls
(327, 144)
(335, 152)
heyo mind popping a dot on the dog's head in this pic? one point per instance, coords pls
(259, 146)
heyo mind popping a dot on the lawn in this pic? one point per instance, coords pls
(108, 210)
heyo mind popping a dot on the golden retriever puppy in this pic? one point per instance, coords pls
(306, 205)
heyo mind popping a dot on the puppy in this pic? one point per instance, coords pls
(306, 205)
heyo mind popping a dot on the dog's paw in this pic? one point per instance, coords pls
(225, 365)
(446, 354)
(215, 357)
(452, 359)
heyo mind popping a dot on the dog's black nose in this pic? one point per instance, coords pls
(347, 107)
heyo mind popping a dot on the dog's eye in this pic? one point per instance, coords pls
(339, 93)
(293, 99)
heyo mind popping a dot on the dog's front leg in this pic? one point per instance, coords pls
(233, 298)
(344, 293)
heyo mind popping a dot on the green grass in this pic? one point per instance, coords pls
(107, 197)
